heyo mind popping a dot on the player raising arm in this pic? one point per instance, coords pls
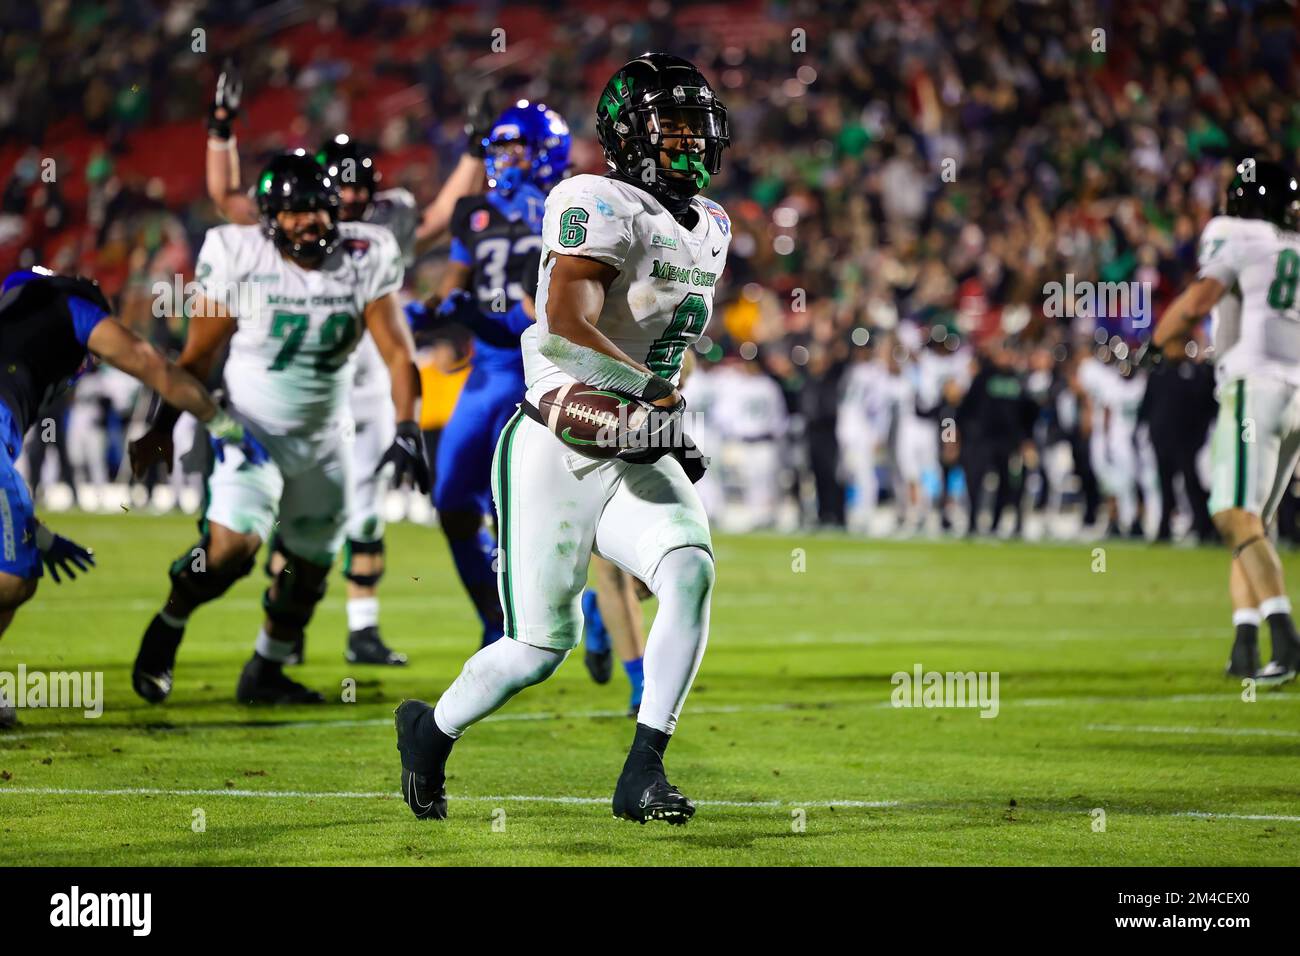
(49, 327)
(629, 265)
(292, 297)
(355, 171)
(1249, 275)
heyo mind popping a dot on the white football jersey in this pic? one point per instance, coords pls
(290, 363)
(663, 297)
(1257, 323)
(397, 211)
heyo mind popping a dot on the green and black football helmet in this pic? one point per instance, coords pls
(1262, 189)
(662, 127)
(295, 182)
(350, 163)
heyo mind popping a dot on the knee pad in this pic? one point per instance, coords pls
(363, 547)
(687, 571)
(293, 595)
(513, 664)
(199, 581)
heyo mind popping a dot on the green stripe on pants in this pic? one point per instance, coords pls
(503, 507)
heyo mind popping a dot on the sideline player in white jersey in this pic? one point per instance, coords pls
(292, 297)
(353, 168)
(1250, 275)
(628, 268)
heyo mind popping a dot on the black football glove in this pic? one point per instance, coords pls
(478, 120)
(406, 455)
(659, 435)
(225, 102)
(1148, 355)
(60, 554)
(691, 459)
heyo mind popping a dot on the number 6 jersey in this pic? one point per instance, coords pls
(663, 296)
(1257, 322)
(290, 364)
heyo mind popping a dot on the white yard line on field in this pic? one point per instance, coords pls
(589, 801)
(16, 735)
(1223, 731)
(394, 795)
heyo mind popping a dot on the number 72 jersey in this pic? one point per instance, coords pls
(1257, 322)
(661, 301)
(290, 364)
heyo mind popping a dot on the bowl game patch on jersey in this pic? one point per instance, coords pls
(719, 215)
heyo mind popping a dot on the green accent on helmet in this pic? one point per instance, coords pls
(264, 184)
(616, 96)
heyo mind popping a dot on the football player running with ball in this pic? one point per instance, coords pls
(292, 296)
(628, 268)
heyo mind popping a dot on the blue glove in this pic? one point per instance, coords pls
(418, 317)
(59, 553)
(222, 429)
(501, 329)
(459, 306)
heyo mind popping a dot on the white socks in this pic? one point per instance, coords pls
(489, 679)
(273, 650)
(1274, 605)
(1246, 615)
(173, 620)
(363, 613)
(674, 647)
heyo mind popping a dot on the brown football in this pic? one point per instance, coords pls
(591, 421)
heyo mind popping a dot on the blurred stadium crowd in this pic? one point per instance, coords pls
(908, 180)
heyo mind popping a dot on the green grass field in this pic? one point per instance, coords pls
(1111, 697)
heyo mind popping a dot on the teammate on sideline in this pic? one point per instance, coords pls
(608, 315)
(307, 286)
(1249, 275)
(51, 327)
(353, 168)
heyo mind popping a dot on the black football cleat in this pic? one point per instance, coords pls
(264, 682)
(423, 761)
(151, 676)
(1275, 673)
(1244, 661)
(1285, 663)
(600, 665)
(367, 647)
(643, 793)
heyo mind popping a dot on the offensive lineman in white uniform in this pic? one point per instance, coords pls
(1250, 274)
(293, 297)
(353, 168)
(628, 268)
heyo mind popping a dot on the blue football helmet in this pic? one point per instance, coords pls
(546, 138)
(24, 276)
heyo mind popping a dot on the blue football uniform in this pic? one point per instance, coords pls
(45, 325)
(499, 238)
